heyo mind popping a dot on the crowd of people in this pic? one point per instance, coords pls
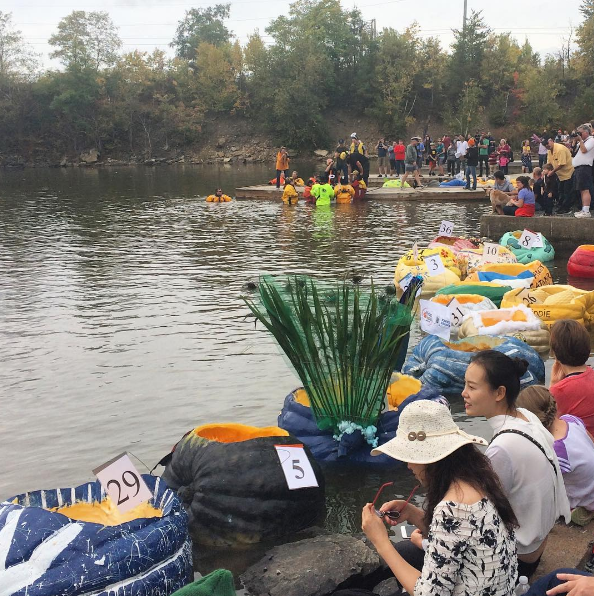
(562, 179)
(487, 516)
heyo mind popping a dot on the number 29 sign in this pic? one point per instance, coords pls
(123, 483)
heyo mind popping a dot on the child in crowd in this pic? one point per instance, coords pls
(502, 183)
(524, 204)
(503, 156)
(538, 188)
(551, 189)
(296, 181)
(521, 452)
(344, 193)
(574, 449)
(526, 157)
(359, 187)
(290, 195)
(572, 380)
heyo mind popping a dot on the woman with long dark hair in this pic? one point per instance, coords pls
(467, 522)
(521, 452)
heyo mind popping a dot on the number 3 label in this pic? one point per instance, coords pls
(296, 467)
(123, 483)
(434, 265)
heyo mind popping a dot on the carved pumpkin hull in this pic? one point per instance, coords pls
(527, 255)
(493, 292)
(234, 488)
(141, 557)
(581, 262)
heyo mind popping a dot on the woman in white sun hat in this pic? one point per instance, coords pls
(467, 521)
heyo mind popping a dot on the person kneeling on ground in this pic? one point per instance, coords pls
(359, 187)
(218, 197)
(290, 195)
(574, 449)
(467, 522)
(344, 193)
(521, 452)
(524, 205)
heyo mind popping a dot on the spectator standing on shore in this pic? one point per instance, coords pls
(582, 162)
(503, 156)
(574, 448)
(538, 188)
(472, 157)
(420, 152)
(550, 194)
(447, 141)
(282, 165)
(391, 159)
(461, 149)
(572, 380)
(559, 157)
(399, 156)
(526, 157)
(440, 150)
(382, 158)
(542, 153)
(483, 157)
(411, 162)
(451, 158)
(521, 452)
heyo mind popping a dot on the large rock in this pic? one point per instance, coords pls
(92, 156)
(314, 567)
(388, 587)
(321, 152)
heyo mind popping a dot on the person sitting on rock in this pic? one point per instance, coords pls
(465, 531)
(359, 186)
(218, 197)
(295, 180)
(290, 195)
(344, 193)
(574, 448)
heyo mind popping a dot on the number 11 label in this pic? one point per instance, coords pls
(296, 467)
(123, 483)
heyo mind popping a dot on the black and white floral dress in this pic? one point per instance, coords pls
(470, 553)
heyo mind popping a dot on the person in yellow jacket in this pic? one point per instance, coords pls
(344, 193)
(290, 195)
(296, 180)
(282, 165)
(357, 145)
(218, 197)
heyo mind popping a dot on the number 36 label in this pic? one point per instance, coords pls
(123, 483)
(296, 466)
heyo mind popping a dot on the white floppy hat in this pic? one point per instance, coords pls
(353, 135)
(426, 433)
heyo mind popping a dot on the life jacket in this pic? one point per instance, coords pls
(216, 199)
(282, 161)
(344, 193)
(323, 194)
(357, 147)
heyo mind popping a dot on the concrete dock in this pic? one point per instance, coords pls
(565, 229)
(428, 193)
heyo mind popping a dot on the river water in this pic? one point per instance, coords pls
(121, 319)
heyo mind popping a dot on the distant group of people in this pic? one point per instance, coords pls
(487, 516)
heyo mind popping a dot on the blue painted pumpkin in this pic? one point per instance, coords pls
(45, 553)
(527, 255)
(296, 418)
(443, 364)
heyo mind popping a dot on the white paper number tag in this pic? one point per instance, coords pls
(434, 265)
(415, 252)
(446, 228)
(435, 318)
(529, 239)
(123, 483)
(296, 467)
(490, 252)
(456, 312)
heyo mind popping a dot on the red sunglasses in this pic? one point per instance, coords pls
(393, 515)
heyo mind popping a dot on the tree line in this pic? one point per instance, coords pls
(322, 58)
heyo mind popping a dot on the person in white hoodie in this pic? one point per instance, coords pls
(521, 452)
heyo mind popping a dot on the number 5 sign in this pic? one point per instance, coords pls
(296, 467)
(123, 483)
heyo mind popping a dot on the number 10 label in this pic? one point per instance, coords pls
(296, 466)
(123, 483)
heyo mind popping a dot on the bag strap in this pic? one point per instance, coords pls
(531, 439)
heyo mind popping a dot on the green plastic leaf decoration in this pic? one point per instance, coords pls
(342, 340)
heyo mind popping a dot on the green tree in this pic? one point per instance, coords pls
(201, 25)
(539, 106)
(86, 40)
(17, 60)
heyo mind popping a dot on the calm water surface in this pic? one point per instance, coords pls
(121, 322)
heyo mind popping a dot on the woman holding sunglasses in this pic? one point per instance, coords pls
(467, 521)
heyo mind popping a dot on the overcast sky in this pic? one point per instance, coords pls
(146, 24)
